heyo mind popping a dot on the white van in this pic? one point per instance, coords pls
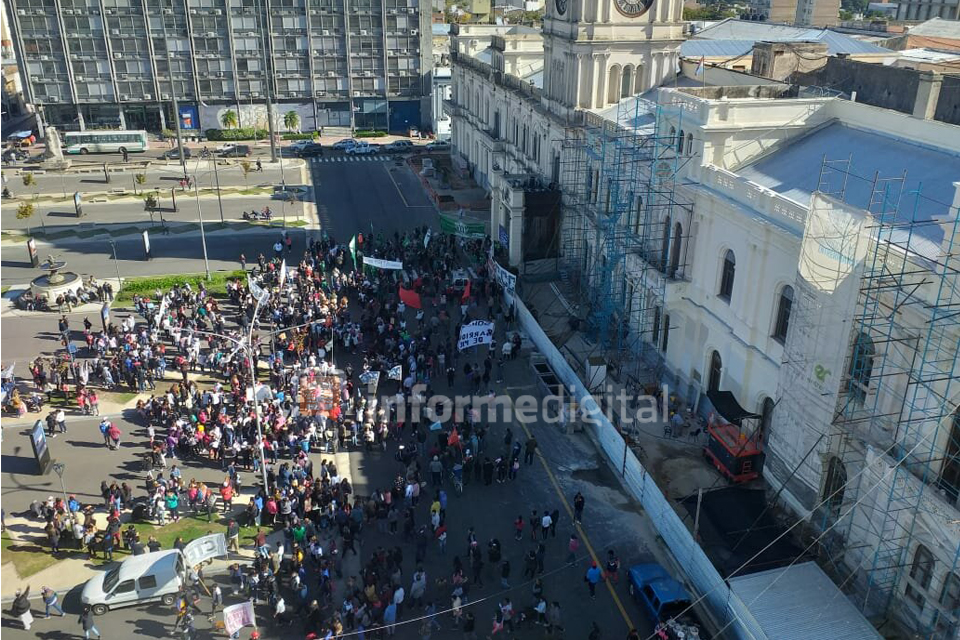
(149, 577)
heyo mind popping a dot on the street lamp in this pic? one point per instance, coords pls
(203, 236)
(116, 263)
(59, 468)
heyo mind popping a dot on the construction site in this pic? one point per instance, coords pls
(864, 427)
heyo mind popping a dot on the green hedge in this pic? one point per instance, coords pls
(229, 135)
(370, 134)
(146, 286)
(300, 136)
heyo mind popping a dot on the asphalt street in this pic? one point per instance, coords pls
(351, 197)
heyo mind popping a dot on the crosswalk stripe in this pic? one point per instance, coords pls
(370, 158)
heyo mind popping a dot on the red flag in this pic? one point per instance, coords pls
(466, 292)
(453, 439)
(410, 297)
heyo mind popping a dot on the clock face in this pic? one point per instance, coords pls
(633, 8)
(561, 6)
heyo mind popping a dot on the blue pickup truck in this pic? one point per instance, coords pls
(666, 602)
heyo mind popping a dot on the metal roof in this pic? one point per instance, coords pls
(793, 170)
(713, 48)
(746, 30)
(440, 29)
(799, 603)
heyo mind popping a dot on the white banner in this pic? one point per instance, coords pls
(506, 279)
(164, 303)
(426, 238)
(257, 291)
(395, 373)
(283, 272)
(476, 333)
(382, 264)
(238, 616)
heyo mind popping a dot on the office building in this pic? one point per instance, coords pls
(118, 63)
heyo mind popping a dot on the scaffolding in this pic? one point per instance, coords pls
(619, 197)
(895, 424)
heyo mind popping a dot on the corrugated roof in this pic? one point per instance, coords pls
(937, 28)
(793, 171)
(485, 56)
(440, 29)
(799, 603)
(746, 30)
(710, 48)
(535, 78)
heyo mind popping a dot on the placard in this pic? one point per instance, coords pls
(382, 264)
(476, 333)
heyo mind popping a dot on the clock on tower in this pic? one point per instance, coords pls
(633, 8)
(561, 6)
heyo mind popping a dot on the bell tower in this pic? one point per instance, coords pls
(597, 52)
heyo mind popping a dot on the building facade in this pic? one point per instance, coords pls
(118, 63)
(13, 103)
(816, 13)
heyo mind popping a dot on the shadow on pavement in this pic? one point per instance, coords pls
(19, 464)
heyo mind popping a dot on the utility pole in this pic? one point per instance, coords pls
(203, 237)
(216, 174)
(173, 89)
(116, 263)
(268, 75)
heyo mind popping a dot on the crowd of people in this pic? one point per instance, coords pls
(313, 329)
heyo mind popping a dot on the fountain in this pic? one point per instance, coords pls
(55, 282)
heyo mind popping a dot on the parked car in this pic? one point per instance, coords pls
(665, 601)
(363, 148)
(289, 192)
(345, 144)
(311, 150)
(298, 145)
(236, 151)
(398, 146)
(437, 146)
(174, 154)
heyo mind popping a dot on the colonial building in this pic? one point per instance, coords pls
(789, 246)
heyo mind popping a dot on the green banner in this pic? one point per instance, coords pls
(460, 227)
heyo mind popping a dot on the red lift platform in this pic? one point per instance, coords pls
(735, 451)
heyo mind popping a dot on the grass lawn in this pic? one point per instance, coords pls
(191, 527)
(216, 285)
(119, 397)
(27, 557)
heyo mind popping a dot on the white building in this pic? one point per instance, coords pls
(707, 234)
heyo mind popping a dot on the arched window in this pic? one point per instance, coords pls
(834, 486)
(727, 272)
(673, 131)
(766, 418)
(950, 603)
(666, 333)
(689, 144)
(861, 367)
(665, 245)
(655, 339)
(921, 573)
(613, 84)
(716, 369)
(675, 250)
(950, 471)
(626, 83)
(680, 139)
(782, 321)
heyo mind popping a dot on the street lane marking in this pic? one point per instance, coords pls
(580, 531)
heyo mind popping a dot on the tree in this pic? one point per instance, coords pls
(139, 179)
(229, 119)
(29, 180)
(25, 211)
(711, 12)
(291, 120)
(246, 167)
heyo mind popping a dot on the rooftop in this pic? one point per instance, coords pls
(793, 170)
(801, 602)
(711, 48)
(732, 29)
(937, 28)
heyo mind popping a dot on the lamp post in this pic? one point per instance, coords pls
(203, 236)
(116, 263)
(59, 468)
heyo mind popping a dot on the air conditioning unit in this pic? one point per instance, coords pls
(53, 98)
(109, 12)
(314, 12)
(164, 96)
(44, 57)
(117, 55)
(331, 74)
(124, 76)
(210, 34)
(114, 32)
(325, 32)
(217, 12)
(68, 12)
(168, 12)
(148, 96)
(21, 12)
(124, 96)
(38, 78)
(363, 32)
(411, 10)
(220, 74)
(414, 32)
(356, 94)
(77, 78)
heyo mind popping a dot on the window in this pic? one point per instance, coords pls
(147, 582)
(921, 572)
(124, 587)
(716, 369)
(626, 83)
(689, 144)
(675, 250)
(782, 323)
(613, 85)
(655, 339)
(666, 333)
(665, 245)
(950, 604)
(861, 367)
(728, 271)
(950, 472)
(766, 418)
(834, 485)
(680, 139)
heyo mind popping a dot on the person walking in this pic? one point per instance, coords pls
(61, 421)
(572, 547)
(86, 623)
(50, 600)
(21, 608)
(578, 503)
(505, 574)
(593, 578)
(529, 449)
(613, 566)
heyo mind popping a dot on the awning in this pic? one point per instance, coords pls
(727, 406)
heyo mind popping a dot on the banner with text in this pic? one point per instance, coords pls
(382, 264)
(238, 616)
(476, 333)
(459, 227)
(506, 279)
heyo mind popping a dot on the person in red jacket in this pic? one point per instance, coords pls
(226, 494)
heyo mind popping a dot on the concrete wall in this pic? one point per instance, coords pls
(881, 86)
(948, 108)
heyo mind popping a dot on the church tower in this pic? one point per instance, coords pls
(599, 51)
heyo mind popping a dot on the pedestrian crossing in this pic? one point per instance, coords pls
(370, 158)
